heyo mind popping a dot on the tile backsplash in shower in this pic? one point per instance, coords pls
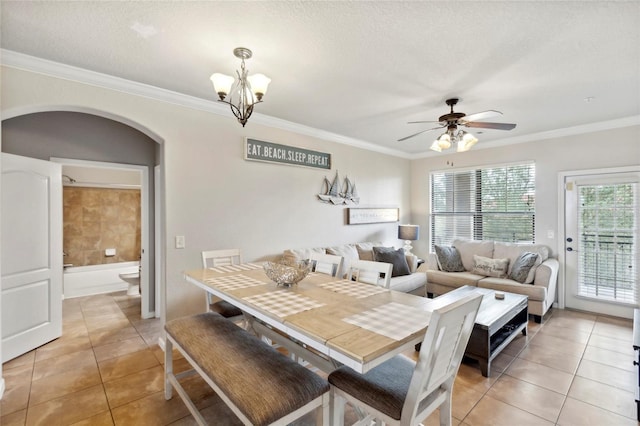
(96, 219)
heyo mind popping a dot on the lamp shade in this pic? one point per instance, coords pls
(259, 84)
(409, 232)
(222, 83)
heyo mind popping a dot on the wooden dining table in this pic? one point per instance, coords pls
(325, 320)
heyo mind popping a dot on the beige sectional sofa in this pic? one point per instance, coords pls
(539, 284)
(413, 283)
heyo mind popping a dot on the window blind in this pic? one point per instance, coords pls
(607, 247)
(493, 203)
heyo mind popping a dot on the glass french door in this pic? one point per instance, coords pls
(601, 243)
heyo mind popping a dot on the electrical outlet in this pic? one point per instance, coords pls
(179, 241)
(550, 234)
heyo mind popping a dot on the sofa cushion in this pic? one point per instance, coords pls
(449, 259)
(467, 248)
(348, 253)
(521, 267)
(408, 283)
(396, 257)
(490, 267)
(293, 256)
(513, 250)
(534, 292)
(453, 279)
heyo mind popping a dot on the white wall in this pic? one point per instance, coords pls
(551, 156)
(217, 199)
(214, 197)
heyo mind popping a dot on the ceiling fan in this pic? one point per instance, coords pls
(452, 120)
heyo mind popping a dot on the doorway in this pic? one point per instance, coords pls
(103, 175)
(600, 250)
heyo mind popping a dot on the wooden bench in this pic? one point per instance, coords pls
(258, 383)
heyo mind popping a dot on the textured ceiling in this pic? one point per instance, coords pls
(363, 69)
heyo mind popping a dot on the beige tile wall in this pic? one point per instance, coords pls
(96, 219)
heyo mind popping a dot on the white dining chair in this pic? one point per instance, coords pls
(370, 272)
(400, 392)
(326, 263)
(224, 257)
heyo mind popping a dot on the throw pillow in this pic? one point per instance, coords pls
(396, 257)
(490, 267)
(522, 265)
(449, 259)
(365, 254)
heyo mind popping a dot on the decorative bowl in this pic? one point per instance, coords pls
(287, 274)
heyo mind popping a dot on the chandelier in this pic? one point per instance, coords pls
(463, 140)
(242, 93)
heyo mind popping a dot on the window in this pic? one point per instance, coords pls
(607, 250)
(494, 203)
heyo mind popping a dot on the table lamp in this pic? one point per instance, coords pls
(408, 233)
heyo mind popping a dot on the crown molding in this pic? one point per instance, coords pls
(18, 60)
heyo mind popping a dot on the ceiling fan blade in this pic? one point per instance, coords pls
(419, 133)
(419, 122)
(480, 115)
(499, 126)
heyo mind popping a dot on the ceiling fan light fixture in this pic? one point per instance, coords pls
(444, 141)
(435, 146)
(466, 142)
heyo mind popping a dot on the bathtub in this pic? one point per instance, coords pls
(96, 279)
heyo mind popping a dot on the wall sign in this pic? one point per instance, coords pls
(275, 153)
(357, 216)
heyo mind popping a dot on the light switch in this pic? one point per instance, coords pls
(179, 241)
(550, 234)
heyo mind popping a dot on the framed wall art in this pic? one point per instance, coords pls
(359, 216)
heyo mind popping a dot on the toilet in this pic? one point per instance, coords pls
(133, 279)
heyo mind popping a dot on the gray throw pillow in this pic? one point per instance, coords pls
(396, 257)
(522, 265)
(449, 259)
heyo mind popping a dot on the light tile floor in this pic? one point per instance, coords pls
(106, 369)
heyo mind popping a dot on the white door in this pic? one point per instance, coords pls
(601, 242)
(31, 249)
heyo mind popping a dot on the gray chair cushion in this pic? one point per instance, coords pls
(384, 387)
(263, 383)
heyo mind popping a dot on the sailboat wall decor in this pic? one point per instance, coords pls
(339, 194)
